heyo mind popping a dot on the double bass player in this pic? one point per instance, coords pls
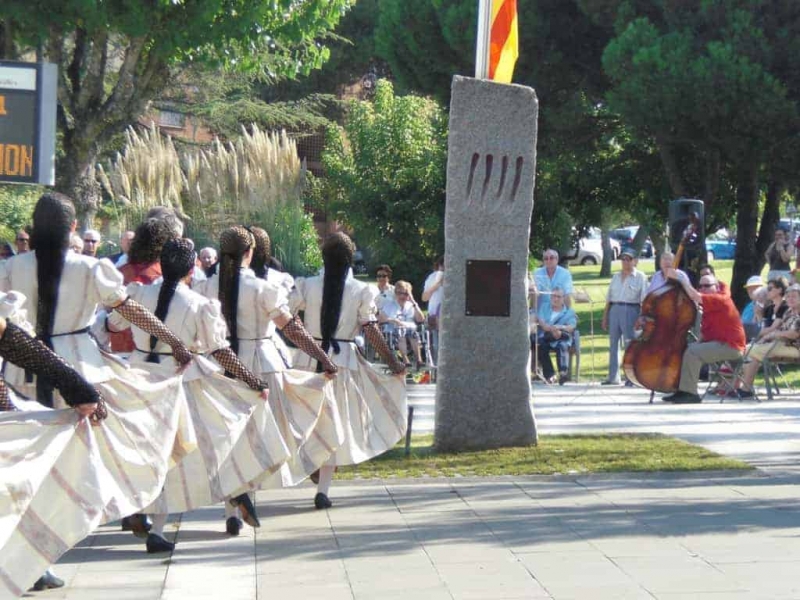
(721, 335)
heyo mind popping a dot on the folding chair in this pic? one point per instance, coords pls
(772, 370)
(726, 373)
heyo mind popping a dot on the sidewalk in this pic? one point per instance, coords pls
(717, 535)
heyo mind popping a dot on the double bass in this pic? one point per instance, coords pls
(653, 360)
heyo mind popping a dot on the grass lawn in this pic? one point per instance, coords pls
(555, 454)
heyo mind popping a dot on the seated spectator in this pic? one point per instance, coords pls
(785, 338)
(555, 333)
(752, 286)
(6, 251)
(385, 288)
(208, 260)
(76, 243)
(775, 306)
(400, 318)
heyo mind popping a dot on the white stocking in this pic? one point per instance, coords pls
(231, 510)
(325, 478)
(159, 520)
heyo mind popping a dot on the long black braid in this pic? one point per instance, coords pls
(177, 261)
(53, 217)
(261, 253)
(234, 243)
(149, 240)
(337, 255)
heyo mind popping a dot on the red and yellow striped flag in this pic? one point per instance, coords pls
(503, 40)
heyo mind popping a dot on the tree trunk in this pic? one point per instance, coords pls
(769, 219)
(749, 261)
(608, 254)
(76, 178)
(671, 168)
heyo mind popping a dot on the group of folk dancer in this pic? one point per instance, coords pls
(167, 430)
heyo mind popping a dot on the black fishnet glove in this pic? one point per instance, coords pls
(149, 323)
(298, 334)
(5, 401)
(375, 337)
(231, 363)
(18, 347)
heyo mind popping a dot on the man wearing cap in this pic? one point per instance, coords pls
(91, 242)
(721, 336)
(624, 298)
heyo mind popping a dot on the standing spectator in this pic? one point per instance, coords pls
(91, 242)
(433, 294)
(400, 317)
(624, 299)
(385, 288)
(208, 260)
(23, 242)
(546, 279)
(778, 255)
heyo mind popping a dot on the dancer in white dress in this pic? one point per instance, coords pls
(62, 478)
(223, 411)
(304, 409)
(372, 406)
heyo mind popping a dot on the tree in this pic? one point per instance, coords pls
(711, 86)
(116, 56)
(386, 172)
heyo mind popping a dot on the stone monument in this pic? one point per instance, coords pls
(483, 388)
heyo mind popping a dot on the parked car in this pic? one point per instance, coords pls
(720, 247)
(589, 250)
(625, 235)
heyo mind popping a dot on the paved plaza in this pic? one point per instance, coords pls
(696, 535)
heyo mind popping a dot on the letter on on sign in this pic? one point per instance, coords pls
(2, 106)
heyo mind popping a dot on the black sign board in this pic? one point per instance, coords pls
(27, 122)
(488, 288)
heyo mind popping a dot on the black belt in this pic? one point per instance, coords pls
(76, 332)
(269, 337)
(153, 352)
(624, 304)
(337, 340)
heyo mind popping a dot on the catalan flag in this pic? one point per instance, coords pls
(503, 40)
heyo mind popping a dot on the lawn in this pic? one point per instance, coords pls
(555, 454)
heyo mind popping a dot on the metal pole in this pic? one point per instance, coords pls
(409, 425)
(482, 42)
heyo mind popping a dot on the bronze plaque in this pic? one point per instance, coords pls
(488, 288)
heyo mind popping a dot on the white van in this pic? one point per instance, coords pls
(590, 249)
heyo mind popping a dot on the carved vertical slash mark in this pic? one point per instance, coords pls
(489, 164)
(472, 167)
(517, 178)
(503, 170)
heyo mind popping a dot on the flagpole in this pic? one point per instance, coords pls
(482, 42)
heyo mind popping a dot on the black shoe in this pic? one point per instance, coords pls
(686, 398)
(607, 382)
(670, 398)
(233, 525)
(322, 501)
(155, 544)
(628, 383)
(745, 394)
(247, 509)
(48, 581)
(563, 378)
(138, 524)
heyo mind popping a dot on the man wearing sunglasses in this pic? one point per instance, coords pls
(624, 299)
(385, 287)
(721, 336)
(545, 279)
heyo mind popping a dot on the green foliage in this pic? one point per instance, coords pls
(386, 172)
(16, 208)
(294, 240)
